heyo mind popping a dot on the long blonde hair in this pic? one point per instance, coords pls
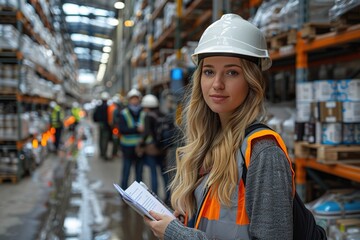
(210, 147)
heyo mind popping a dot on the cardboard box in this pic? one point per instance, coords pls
(325, 90)
(348, 90)
(305, 92)
(303, 110)
(331, 133)
(330, 112)
(351, 112)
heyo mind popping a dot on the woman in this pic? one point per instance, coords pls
(227, 96)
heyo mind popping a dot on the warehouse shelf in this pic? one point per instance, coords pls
(14, 17)
(32, 99)
(39, 10)
(158, 11)
(13, 56)
(352, 33)
(18, 129)
(324, 49)
(10, 56)
(194, 17)
(350, 171)
(163, 41)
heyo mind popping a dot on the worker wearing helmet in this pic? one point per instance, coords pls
(227, 96)
(131, 125)
(114, 110)
(75, 114)
(152, 141)
(100, 117)
(57, 122)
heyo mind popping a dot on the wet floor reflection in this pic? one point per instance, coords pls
(95, 214)
(124, 223)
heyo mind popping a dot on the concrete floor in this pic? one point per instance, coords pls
(71, 196)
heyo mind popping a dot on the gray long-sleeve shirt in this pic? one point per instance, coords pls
(268, 197)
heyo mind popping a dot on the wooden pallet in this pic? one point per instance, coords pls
(8, 177)
(8, 50)
(283, 39)
(7, 9)
(5, 90)
(8, 54)
(311, 30)
(348, 19)
(328, 154)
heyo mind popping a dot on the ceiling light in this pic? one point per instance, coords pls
(107, 49)
(101, 72)
(129, 23)
(119, 5)
(105, 56)
(113, 21)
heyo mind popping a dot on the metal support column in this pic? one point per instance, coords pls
(217, 9)
(227, 6)
(119, 63)
(301, 76)
(178, 44)
(149, 45)
(19, 107)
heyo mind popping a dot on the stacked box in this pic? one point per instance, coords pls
(333, 107)
(349, 95)
(304, 98)
(325, 90)
(331, 133)
(357, 133)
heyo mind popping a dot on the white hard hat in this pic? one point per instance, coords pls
(116, 99)
(75, 104)
(150, 101)
(133, 93)
(105, 95)
(53, 104)
(234, 36)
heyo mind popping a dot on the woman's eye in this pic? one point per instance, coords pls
(208, 72)
(232, 73)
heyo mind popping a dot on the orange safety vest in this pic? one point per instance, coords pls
(110, 113)
(223, 222)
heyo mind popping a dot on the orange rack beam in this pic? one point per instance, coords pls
(348, 171)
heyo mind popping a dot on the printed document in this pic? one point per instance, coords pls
(141, 200)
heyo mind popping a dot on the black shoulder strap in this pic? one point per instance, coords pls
(248, 130)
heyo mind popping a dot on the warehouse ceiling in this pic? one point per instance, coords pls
(91, 24)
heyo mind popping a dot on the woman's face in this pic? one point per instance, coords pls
(223, 84)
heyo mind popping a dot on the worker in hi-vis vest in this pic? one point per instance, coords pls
(57, 122)
(131, 125)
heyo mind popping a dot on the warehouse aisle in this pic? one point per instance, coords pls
(74, 188)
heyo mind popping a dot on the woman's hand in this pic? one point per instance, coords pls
(158, 227)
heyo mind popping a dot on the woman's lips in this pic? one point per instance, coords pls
(218, 98)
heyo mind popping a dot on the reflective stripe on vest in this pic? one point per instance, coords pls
(131, 140)
(223, 222)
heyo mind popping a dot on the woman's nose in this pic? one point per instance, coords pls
(218, 83)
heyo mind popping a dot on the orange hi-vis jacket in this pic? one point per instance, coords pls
(110, 112)
(223, 222)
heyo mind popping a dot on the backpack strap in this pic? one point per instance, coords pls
(249, 130)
